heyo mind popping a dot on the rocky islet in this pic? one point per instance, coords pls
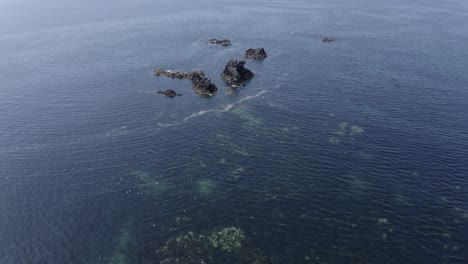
(169, 93)
(236, 74)
(256, 54)
(222, 42)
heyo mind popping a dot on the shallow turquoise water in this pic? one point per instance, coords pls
(346, 152)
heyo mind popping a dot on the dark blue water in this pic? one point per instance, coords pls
(347, 152)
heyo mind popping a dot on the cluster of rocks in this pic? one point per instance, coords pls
(178, 75)
(256, 54)
(222, 42)
(201, 84)
(235, 73)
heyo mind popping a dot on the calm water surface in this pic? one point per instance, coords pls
(347, 152)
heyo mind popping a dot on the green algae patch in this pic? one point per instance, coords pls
(334, 140)
(342, 129)
(206, 186)
(462, 214)
(125, 246)
(118, 258)
(236, 173)
(229, 239)
(226, 245)
(226, 145)
(383, 221)
(181, 220)
(356, 130)
(249, 121)
(149, 183)
(345, 132)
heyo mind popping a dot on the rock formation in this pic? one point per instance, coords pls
(235, 73)
(204, 86)
(201, 85)
(256, 54)
(222, 42)
(169, 93)
(178, 75)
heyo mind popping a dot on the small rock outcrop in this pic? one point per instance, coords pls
(204, 86)
(235, 73)
(222, 42)
(256, 54)
(327, 40)
(169, 93)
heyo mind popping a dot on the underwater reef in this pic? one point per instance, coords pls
(226, 245)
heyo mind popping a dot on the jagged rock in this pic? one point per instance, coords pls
(204, 86)
(222, 42)
(235, 73)
(327, 40)
(169, 93)
(256, 54)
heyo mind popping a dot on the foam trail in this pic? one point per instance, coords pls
(167, 125)
(225, 109)
(200, 113)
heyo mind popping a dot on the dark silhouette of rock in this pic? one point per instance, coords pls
(327, 40)
(222, 42)
(169, 93)
(204, 86)
(235, 73)
(256, 54)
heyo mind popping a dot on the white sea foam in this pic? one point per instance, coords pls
(167, 125)
(222, 110)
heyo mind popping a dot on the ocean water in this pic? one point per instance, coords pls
(354, 151)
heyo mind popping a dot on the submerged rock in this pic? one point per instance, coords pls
(327, 40)
(169, 93)
(229, 239)
(256, 54)
(222, 42)
(235, 73)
